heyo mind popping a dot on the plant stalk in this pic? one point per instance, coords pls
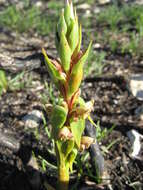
(63, 177)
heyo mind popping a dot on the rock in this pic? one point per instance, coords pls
(135, 138)
(34, 176)
(39, 4)
(5, 60)
(139, 2)
(97, 46)
(97, 158)
(2, 2)
(103, 2)
(8, 141)
(18, 64)
(33, 163)
(32, 119)
(136, 85)
(96, 10)
(84, 6)
(139, 112)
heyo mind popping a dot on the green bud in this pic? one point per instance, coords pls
(61, 26)
(73, 36)
(64, 52)
(69, 15)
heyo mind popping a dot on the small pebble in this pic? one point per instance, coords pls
(32, 119)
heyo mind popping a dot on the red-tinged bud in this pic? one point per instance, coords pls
(65, 134)
(86, 142)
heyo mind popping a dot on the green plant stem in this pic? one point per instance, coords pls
(63, 168)
(63, 177)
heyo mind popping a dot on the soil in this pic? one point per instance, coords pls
(114, 104)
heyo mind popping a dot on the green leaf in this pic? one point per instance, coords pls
(67, 15)
(72, 157)
(61, 158)
(77, 128)
(74, 82)
(77, 49)
(81, 102)
(67, 147)
(3, 82)
(73, 36)
(61, 26)
(53, 72)
(64, 52)
(82, 60)
(58, 118)
(77, 73)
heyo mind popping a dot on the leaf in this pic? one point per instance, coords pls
(77, 49)
(77, 73)
(64, 52)
(53, 72)
(80, 101)
(58, 118)
(3, 82)
(73, 36)
(61, 26)
(67, 15)
(91, 121)
(74, 82)
(77, 128)
(72, 157)
(67, 147)
(59, 151)
(82, 60)
(3, 79)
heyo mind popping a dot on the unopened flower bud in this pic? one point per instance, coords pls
(65, 133)
(86, 142)
(68, 12)
(73, 36)
(61, 26)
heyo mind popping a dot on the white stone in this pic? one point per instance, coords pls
(96, 10)
(84, 6)
(103, 2)
(139, 2)
(136, 85)
(97, 46)
(38, 4)
(135, 138)
(32, 119)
